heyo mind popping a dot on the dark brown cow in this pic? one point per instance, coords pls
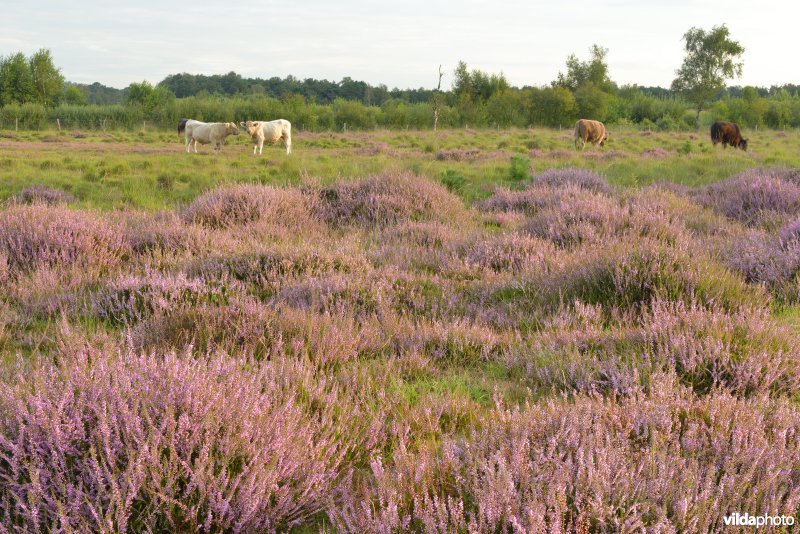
(727, 133)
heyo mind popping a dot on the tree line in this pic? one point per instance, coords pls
(33, 94)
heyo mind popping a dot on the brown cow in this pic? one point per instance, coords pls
(727, 133)
(590, 131)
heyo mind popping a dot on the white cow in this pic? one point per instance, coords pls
(269, 131)
(205, 133)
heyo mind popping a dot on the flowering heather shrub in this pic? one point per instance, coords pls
(663, 461)
(744, 352)
(427, 234)
(165, 231)
(390, 198)
(667, 215)
(426, 247)
(455, 342)
(134, 443)
(241, 204)
(631, 274)
(764, 259)
(132, 298)
(458, 154)
(578, 218)
(40, 194)
(270, 266)
(331, 292)
(582, 178)
(331, 337)
(513, 253)
(49, 291)
(377, 149)
(39, 236)
(790, 233)
(753, 196)
(657, 153)
(529, 200)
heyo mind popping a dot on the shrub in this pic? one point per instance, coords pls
(40, 194)
(453, 180)
(754, 196)
(765, 259)
(388, 199)
(165, 231)
(40, 236)
(664, 460)
(458, 154)
(631, 275)
(133, 298)
(241, 204)
(513, 253)
(518, 168)
(583, 178)
(134, 443)
(592, 349)
(582, 217)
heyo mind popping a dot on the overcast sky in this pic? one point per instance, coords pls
(398, 43)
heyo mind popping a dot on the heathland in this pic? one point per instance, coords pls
(464, 330)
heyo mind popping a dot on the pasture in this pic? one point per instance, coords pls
(464, 330)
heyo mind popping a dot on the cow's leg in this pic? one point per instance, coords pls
(187, 144)
(288, 142)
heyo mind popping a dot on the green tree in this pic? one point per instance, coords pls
(711, 58)
(592, 101)
(594, 71)
(476, 85)
(48, 83)
(552, 106)
(16, 81)
(73, 95)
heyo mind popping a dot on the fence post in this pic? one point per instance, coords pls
(16, 124)
(144, 126)
(58, 122)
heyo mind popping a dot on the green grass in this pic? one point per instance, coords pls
(150, 171)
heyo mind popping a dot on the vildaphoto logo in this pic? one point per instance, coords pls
(746, 520)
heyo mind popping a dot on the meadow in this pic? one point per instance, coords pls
(391, 331)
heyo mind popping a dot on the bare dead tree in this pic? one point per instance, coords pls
(436, 101)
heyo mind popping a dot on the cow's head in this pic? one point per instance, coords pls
(604, 139)
(251, 127)
(743, 144)
(231, 128)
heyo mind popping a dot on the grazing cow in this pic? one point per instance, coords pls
(590, 131)
(727, 133)
(269, 131)
(205, 133)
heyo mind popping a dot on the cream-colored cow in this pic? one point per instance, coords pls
(269, 131)
(213, 133)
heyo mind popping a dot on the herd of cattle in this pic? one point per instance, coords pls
(727, 133)
(215, 133)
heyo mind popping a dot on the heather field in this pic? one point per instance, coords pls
(462, 331)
